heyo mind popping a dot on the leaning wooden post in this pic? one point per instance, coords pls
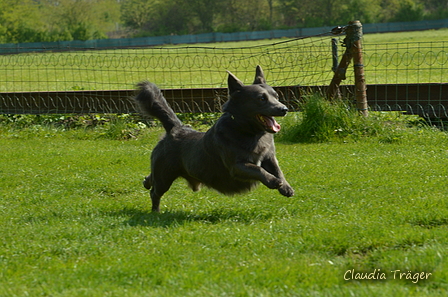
(339, 75)
(355, 31)
(340, 70)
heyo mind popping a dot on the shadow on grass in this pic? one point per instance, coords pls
(138, 217)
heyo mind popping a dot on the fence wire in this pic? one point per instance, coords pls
(102, 80)
(296, 61)
(410, 77)
(404, 63)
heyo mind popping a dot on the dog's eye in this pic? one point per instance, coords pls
(264, 97)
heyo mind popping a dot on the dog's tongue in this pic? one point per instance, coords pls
(271, 122)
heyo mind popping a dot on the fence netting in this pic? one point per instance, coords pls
(291, 62)
(102, 80)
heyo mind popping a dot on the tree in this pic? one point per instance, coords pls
(177, 18)
(437, 9)
(51, 20)
(367, 11)
(409, 11)
(205, 11)
(82, 19)
(246, 15)
(138, 13)
(271, 11)
(20, 21)
(155, 17)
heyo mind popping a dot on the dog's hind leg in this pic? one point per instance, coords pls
(159, 187)
(155, 198)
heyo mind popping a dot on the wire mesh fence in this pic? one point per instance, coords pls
(195, 78)
(402, 63)
(410, 77)
(296, 61)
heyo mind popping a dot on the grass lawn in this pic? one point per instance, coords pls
(76, 221)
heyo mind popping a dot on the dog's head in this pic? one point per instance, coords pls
(257, 103)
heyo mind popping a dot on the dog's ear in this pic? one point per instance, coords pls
(259, 76)
(234, 83)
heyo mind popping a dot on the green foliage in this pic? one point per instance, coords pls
(93, 126)
(323, 121)
(34, 21)
(409, 10)
(199, 121)
(135, 13)
(108, 126)
(39, 21)
(18, 20)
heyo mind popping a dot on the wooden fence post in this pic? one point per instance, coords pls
(339, 75)
(353, 51)
(360, 82)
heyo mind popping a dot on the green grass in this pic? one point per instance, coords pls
(407, 37)
(76, 221)
(407, 57)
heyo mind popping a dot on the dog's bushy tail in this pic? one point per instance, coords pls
(151, 101)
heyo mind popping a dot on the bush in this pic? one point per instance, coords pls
(110, 126)
(323, 121)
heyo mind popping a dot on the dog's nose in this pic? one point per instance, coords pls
(284, 109)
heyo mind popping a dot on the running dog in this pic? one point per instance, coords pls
(233, 156)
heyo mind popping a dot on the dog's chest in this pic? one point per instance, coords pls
(258, 153)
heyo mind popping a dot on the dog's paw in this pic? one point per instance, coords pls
(286, 190)
(274, 183)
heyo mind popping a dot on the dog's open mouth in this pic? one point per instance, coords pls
(269, 123)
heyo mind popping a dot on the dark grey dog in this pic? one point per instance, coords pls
(232, 157)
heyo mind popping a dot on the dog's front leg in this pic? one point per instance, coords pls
(249, 171)
(271, 166)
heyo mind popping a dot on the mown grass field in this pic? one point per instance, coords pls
(407, 57)
(76, 221)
